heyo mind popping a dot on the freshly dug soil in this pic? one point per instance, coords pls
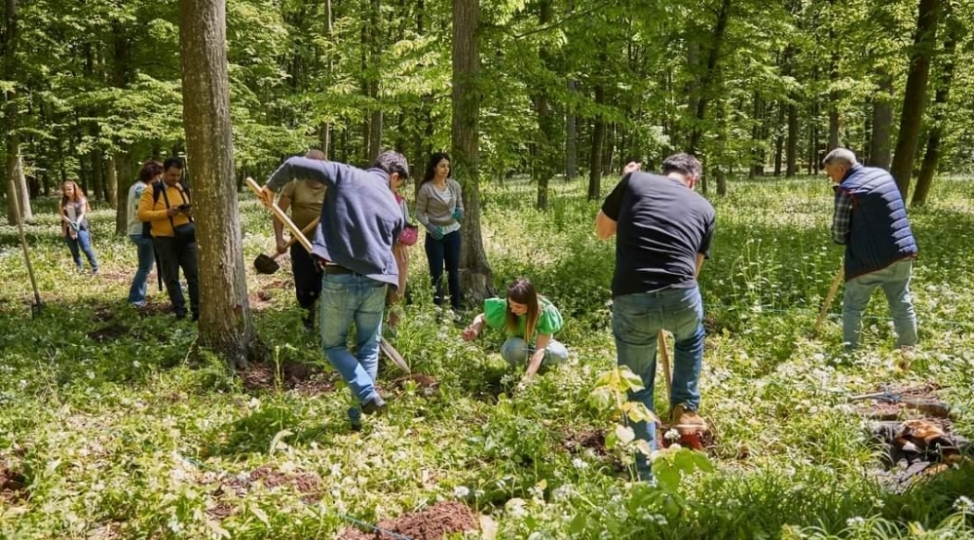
(432, 523)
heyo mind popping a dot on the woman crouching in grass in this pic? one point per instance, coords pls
(530, 321)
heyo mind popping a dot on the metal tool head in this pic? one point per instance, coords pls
(265, 264)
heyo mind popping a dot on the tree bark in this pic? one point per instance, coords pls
(122, 171)
(225, 325)
(571, 144)
(915, 95)
(476, 279)
(792, 143)
(883, 117)
(16, 184)
(710, 77)
(932, 155)
(779, 139)
(546, 119)
(111, 181)
(596, 150)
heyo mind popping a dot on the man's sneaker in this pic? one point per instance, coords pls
(376, 405)
(686, 420)
(180, 315)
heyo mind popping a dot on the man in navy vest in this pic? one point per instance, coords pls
(870, 220)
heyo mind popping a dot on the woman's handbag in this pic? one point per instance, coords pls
(409, 235)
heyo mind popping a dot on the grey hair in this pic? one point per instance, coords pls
(840, 156)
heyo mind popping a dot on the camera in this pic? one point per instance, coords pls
(184, 207)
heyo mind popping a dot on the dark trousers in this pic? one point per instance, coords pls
(308, 280)
(174, 254)
(440, 253)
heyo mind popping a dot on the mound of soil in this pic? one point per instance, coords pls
(13, 485)
(150, 310)
(308, 380)
(432, 523)
(306, 484)
(920, 400)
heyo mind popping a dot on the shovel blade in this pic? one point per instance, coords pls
(265, 265)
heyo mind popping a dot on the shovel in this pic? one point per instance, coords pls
(266, 264)
(296, 234)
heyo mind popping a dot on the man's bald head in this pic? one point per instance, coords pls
(316, 154)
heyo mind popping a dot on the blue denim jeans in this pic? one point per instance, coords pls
(147, 257)
(894, 281)
(515, 351)
(636, 320)
(348, 298)
(440, 253)
(82, 244)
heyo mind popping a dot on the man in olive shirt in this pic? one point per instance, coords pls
(305, 200)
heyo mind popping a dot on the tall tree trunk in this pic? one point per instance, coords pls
(476, 278)
(571, 143)
(915, 94)
(546, 119)
(792, 143)
(596, 150)
(16, 185)
(225, 321)
(710, 77)
(932, 155)
(756, 166)
(111, 181)
(126, 179)
(779, 139)
(883, 117)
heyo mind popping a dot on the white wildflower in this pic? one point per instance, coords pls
(578, 463)
(855, 521)
(461, 492)
(672, 435)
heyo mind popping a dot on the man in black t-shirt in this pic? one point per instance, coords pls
(663, 233)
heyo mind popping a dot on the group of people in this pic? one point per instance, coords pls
(663, 232)
(159, 223)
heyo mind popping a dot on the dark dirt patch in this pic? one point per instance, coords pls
(117, 277)
(108, 333)
(103, 314)
(308, 380)
(428, 386)
(433, 523)
(150, 310)
(259, 301)
(13, 485)
(593, 438)
(307, 485)
(279, 284)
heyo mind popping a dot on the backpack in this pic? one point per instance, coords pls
(157, 191)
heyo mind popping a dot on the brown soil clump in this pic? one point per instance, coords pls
(108, 333)
(307, 380)
(13, 485)
(432, 523)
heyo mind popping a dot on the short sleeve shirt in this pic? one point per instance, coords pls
(306, 201)
(549, 320)
(661, 227)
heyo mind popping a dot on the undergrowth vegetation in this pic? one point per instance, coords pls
(107, 430)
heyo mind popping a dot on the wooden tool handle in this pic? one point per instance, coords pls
(828, 300)
(295, 231)
(308, 228)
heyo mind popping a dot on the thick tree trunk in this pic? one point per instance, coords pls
(596, 150)
(932, 156)
(779, 139)
(476, 280)
(225, 321)
(883, 117)
(16, 183)
(792, 143)
(915, 95)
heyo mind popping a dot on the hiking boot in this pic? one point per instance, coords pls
(355, 419)
(376, 405)
(686, 420)
(180, 315)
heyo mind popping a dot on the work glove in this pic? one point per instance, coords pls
(458, 213)
(74, 225)
(436, 232)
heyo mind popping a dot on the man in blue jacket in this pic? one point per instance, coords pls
(360, 222)
(871, 221)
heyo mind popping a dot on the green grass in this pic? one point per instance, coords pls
(126, 439)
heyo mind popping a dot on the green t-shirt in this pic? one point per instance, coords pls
(549, 320)
(306, 201)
